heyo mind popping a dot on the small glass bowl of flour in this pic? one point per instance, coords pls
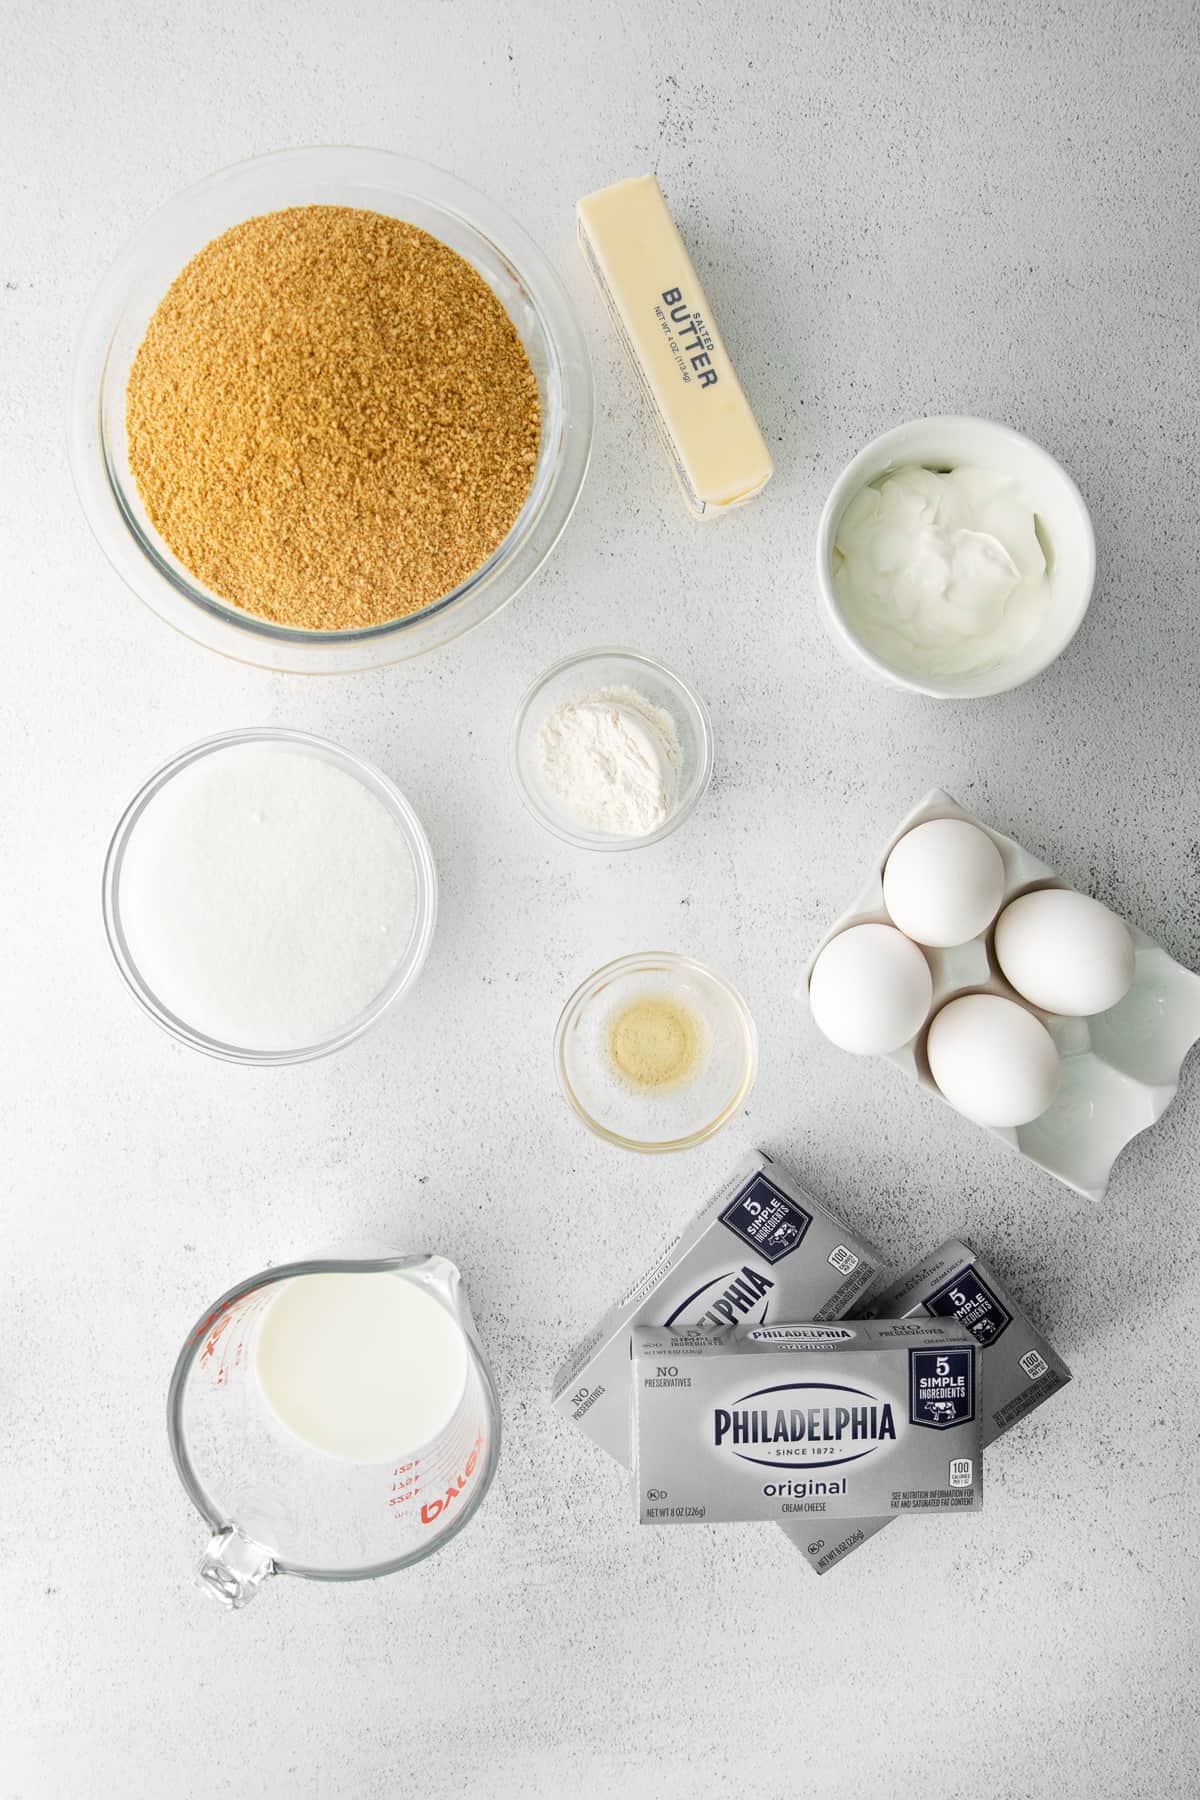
(267, 894)
(611, 750)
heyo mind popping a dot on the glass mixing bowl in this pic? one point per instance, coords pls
(513, 267)
(409, 963)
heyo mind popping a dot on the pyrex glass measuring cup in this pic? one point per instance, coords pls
(307, 1463)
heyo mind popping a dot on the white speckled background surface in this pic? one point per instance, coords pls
(896, 209)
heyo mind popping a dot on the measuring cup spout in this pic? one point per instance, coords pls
(233, 1568)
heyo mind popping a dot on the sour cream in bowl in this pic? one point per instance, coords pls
(955, 558)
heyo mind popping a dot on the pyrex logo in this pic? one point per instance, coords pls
(804, 1425)
(734, 1297)
(433, 1509)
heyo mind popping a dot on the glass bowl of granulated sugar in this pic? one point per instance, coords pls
(268, 895)
(611, 750)
(330, 409)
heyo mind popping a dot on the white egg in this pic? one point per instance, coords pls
(870, 990)
(1065, 952)
(943, 882)
(992, 1060)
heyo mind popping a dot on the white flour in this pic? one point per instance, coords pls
(613, 759)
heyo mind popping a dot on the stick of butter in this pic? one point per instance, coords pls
(633, 248)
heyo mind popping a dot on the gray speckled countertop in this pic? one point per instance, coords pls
(896, 209)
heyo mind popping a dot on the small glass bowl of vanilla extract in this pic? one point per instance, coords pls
(655, 1052)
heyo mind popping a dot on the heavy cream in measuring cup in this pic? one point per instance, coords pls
(368, 1365)
(941, 573)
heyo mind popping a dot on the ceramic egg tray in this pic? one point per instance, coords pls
(1120, 1068)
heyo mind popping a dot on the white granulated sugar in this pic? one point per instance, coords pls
(267, 896)
(613, 759)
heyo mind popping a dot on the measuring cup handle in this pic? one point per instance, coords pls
(233, 1568)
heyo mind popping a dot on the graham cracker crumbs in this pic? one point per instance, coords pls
(331, 419)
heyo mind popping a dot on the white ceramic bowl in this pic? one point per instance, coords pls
(1063, 525)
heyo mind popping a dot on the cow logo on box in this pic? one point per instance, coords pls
(967, 1298)
(941, 1387)
(766, 1219)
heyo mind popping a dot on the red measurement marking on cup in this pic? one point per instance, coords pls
(204, 1324)
(405, 1485)
(217, 1325)
(215, 1337)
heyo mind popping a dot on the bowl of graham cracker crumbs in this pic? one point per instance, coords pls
(330, 409)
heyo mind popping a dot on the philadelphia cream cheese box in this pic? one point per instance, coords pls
(761, 1249)
(807, 1421)
(1019, 1369)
